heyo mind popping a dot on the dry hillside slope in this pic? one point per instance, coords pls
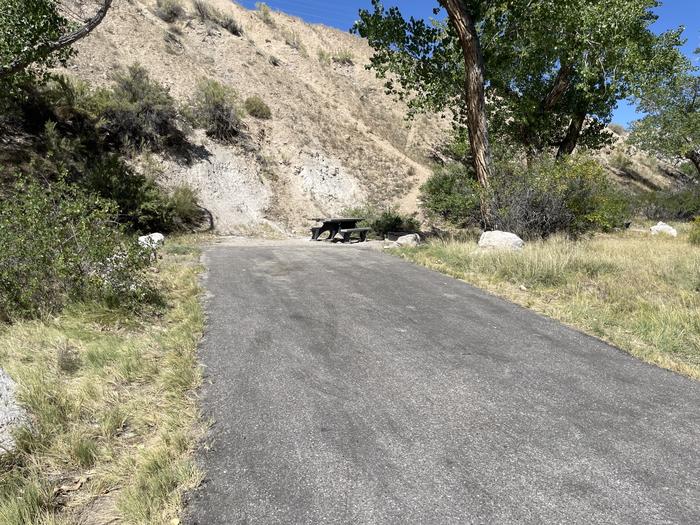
(335, 139)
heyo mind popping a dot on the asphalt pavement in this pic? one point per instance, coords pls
(349, 386)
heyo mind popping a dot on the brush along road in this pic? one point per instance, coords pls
(349, 386)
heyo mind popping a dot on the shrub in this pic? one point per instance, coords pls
(450, 194)
(324, 57)
(138, 112)
(229, 24)
(344, 57)
(291, 38)
(383, 221)
(265, 13)
(694, 234)
(391, 220)
(679, 204)
(203, 10)
(184, 209)
(256, 107)
(274, 61)
(214, 109)
(211, 15)
(572, 196)
(59, 244)
(169, 10)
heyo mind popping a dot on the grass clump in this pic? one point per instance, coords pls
(169, 10)
(265, 13)
(344, 57)
(324, 57)
(115, 434)
(214, 107)
(256, 107)
(694, 233)
(293, 40)
(639, 294)
(211, 15)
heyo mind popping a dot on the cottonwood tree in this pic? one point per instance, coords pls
(36, 35)
(671, 127)
(553, 70)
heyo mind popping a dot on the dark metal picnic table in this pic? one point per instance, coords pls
(336, 225)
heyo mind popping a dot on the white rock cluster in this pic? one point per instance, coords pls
(501, 240)
(11, 414)
(663, 228)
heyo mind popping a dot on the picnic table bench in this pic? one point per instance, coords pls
(345, 226)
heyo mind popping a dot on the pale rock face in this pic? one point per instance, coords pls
(663, 228)
(152, 241)
(501, 240)
(11, 414)
(408, 240)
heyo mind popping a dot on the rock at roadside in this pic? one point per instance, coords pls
(152, 240)
(11, 414)
(408, 240)
(664, 228)
(501, 241)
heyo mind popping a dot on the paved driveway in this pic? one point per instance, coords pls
(348, 386)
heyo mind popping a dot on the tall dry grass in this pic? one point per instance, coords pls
(113, 418)
(638, 292)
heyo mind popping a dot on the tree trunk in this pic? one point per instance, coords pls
(475, 101)
(51, 47)
(574, 132)
(694, 157)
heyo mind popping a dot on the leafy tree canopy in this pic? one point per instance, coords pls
(555, 69)
(671, 126)
(27, 28)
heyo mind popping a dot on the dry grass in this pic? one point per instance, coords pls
(114, 416)
(640, 293)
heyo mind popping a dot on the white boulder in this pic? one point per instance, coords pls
(152, 241)
(501, 240)
(412, 239)
(664, 228)
(11, 414)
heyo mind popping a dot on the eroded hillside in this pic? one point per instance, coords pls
(334, 140)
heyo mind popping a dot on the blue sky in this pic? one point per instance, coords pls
(342, 14)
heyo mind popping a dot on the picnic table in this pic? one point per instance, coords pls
(345, 226)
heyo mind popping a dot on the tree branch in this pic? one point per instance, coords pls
(67, 40)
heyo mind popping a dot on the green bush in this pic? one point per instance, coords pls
(138, 112)
(214, 108)
(450, 194)
(571, 196)
(679, 204)
(256, 107)
(694, 234)
(59, 244)
(169, 10)
(383, 221)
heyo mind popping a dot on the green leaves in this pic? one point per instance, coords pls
(546, 61)
(25, 26)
